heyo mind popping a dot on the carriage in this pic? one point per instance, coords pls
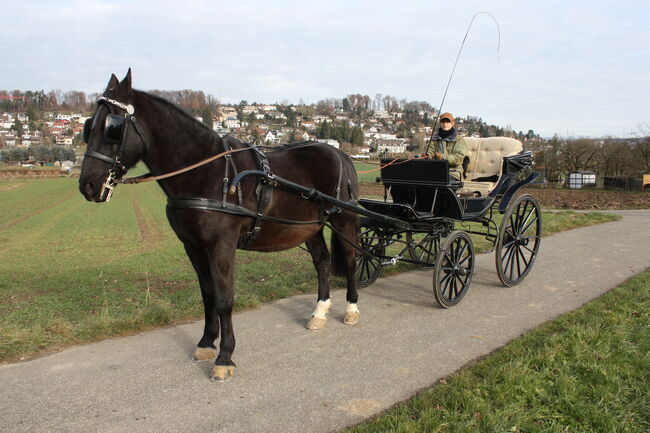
(238, 197)
(434, 210)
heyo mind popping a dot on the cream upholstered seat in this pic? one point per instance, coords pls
(486, 162)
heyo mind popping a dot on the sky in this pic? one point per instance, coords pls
(575, 68)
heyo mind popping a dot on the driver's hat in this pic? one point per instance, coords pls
(448, 116)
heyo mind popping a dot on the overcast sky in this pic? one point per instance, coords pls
(576, 68)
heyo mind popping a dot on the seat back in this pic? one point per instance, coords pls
(486, 161)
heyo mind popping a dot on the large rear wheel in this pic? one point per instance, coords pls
(369, 261)
(454, 269)
(519, 239)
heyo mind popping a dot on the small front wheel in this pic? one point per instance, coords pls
(369, 261)
(424, 250)
(454, 269)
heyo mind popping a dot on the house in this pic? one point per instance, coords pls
(64, 140)
(221, 130)
(271, 138)
(331, 142)
(386, 146)
(232, 122)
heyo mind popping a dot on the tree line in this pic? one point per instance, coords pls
(37, 153)
(607, 157)
(35, 103)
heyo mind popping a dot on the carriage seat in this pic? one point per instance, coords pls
(486, 162)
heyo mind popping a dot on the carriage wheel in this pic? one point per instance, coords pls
(454, 269)
(368, 264)
(424, 251)
(519, 239)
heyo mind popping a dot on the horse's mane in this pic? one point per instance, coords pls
(181, 111)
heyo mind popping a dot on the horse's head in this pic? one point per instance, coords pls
(115, 142)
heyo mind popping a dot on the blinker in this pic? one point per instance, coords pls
(113, 128)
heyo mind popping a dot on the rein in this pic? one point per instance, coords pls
(393, 162)
(149, 177)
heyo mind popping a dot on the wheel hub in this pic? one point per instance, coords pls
(459, 271)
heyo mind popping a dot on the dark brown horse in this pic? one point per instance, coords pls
(131, 125)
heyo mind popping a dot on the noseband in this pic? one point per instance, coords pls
(116, 131)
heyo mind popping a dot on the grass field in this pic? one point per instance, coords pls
(366, 166)
(587, 371)
(73, 271)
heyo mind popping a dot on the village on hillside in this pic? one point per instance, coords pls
(38, 128)
(355, 124)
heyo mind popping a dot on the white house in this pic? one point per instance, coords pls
(271, 138)
(232, 123)
(331, 142)
(392, 146)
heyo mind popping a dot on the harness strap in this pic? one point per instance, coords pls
(219, 206)
(97, 155)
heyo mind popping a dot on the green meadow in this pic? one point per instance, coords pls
(72, 271)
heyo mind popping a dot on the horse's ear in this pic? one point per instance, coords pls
(127, 79)
(112, 83)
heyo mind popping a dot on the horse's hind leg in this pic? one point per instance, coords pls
(344, 261)
(321, 258)
(206, 349)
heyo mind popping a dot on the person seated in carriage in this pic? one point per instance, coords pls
(450, 146)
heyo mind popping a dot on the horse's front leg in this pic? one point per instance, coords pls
(222, 266)
(321, 258)
(206, 349)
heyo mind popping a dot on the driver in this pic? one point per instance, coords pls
(449, 145)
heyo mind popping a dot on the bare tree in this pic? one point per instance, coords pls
(578, 154)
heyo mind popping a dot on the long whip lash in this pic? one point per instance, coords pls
(435, 125)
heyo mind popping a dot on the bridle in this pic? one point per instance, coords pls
(116, 129)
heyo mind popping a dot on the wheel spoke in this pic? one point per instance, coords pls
(531, 251)
(465, 259)
(507, 252)
(517, 253)
(454, 292)
(529, 224)
(462, 251)
(523, 257)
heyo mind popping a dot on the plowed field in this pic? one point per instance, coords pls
(563, 198)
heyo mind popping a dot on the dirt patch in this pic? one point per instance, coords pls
(19, 173)
(589, 199)
(10, 187)
(562, 198)
(148, 232)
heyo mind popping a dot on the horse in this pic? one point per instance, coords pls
(130, 125)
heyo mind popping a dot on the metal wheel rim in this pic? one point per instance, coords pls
(454, 269)
(368, 267)
(519, 240)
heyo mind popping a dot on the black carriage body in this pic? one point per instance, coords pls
(422, 193)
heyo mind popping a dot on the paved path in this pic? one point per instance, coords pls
(293, 380)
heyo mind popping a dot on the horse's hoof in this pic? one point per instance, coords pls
(204, 354)
(351, 317)
(316, 323)
(222, 372)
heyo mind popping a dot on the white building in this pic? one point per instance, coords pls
(392, 146)
(331, 142)
(232, 123)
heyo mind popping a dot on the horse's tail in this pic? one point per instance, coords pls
(347, 232)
